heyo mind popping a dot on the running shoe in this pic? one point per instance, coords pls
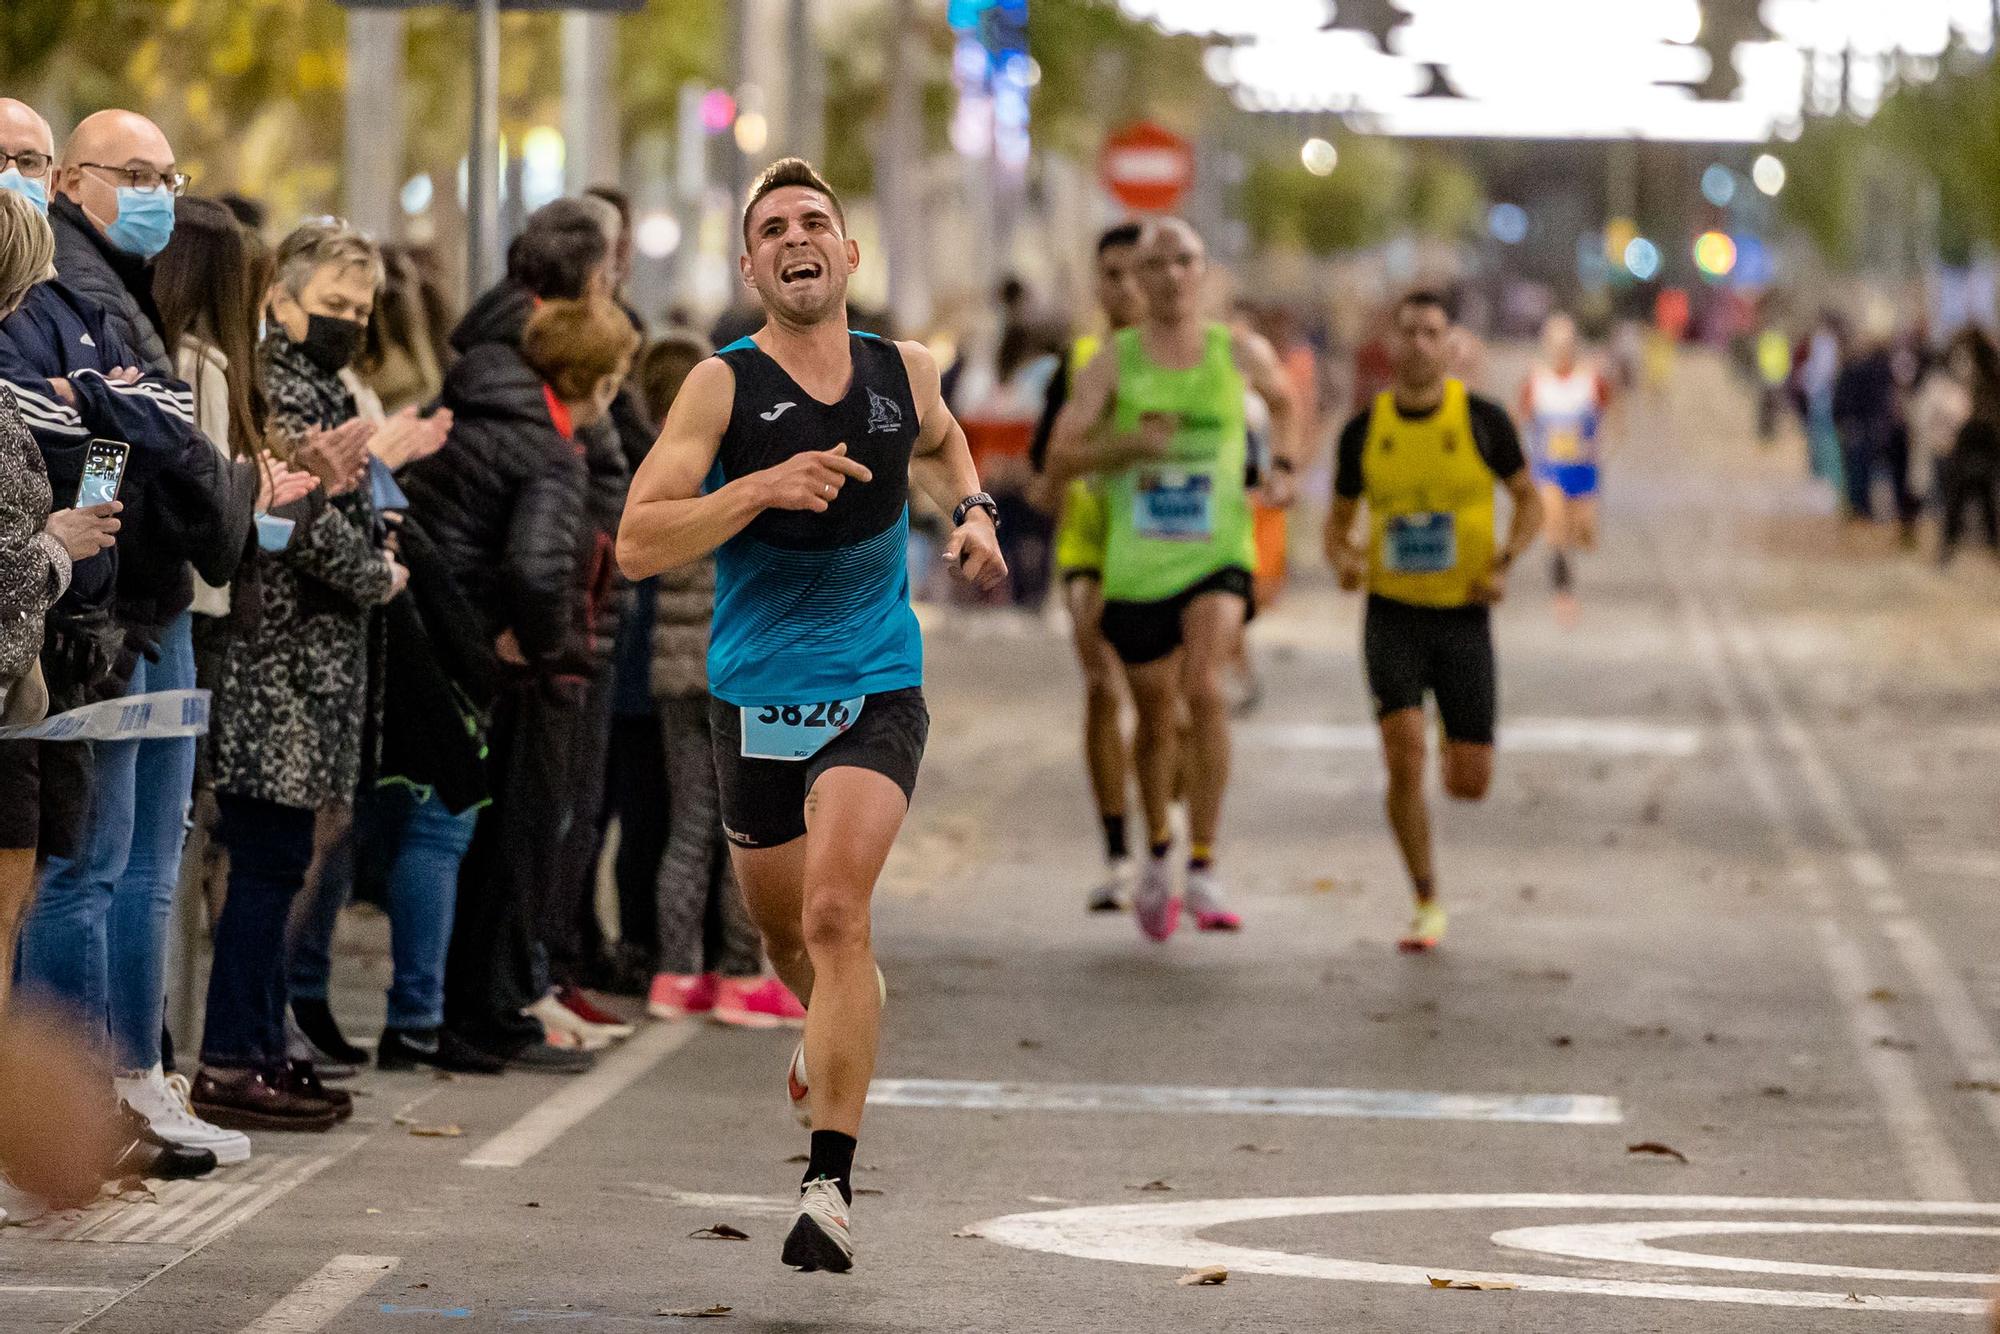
(1426, 929)
(678, 995)
(577, 1003)
(163, 1100)
(1156, 905)
(821, 1237)
(757, 1002)
(1115, 894)
(796, 1087)
(1204, 900)
(565, 1028)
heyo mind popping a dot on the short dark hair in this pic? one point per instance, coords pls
(555, 254)
(615, 197)
(782, 174)
(664, 365)
(1124, 234)
(1426, 296)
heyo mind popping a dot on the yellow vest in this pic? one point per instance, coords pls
(1430, 503)
(1079, 539)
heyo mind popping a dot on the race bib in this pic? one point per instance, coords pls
(1421, 543)
(795, 731)
(1565, 447)
(1176, 506)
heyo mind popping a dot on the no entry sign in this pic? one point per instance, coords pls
(1147, 167)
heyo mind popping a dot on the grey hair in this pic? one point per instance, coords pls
(326, 242)
(27, 248)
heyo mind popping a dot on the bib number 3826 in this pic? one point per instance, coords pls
(1421, 543)
(795, 731)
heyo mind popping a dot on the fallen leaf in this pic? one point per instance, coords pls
(1324, 885)
(444, 1077)
(1561, 1040)
(1527, 893)
(1152, 1185)
(400, 1120)
(1884, 995)
(866, 1190)
(1030, 1044)
(1977, 1085)
(374, 1211)
(969, 1233)
(1775, 1091)
(450, 1130)
(1211, 1276)
(1856, 1298)
(1649, 1031)
(720, 1232)
(1657, 1148)
(1651, 812)
(1896, 1044)
(1469, 1284)
(532, 1204)
(694, 1313)
(799, 1158)
(419, 1287)
(1260, 1148)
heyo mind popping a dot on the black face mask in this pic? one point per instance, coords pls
(331, 343)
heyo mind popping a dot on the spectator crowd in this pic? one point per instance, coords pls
(354, 598)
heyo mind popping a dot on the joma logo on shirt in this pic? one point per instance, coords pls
(777, 411)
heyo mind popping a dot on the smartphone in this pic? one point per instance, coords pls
(103, 470)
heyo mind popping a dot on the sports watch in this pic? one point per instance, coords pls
(978, 500)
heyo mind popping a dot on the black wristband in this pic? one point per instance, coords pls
(978, 500)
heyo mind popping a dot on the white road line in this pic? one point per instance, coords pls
(1927, 1155)
(1631, 1244)
(314, 1303)
(549, 1119)
(1387, 1104)
(1932, 1167)
(36, 1289)
(1956, 1014)
(1549, 736)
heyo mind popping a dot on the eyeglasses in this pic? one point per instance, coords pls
(31, 163)
(144, 178)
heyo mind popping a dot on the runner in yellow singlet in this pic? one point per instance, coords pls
(1079, 555)
(1159, 416)
(1425, 456)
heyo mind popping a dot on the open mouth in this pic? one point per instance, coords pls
(799, 271)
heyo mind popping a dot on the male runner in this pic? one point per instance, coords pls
(1564, 402)
(791, 454)
(1425, 455)
(1160, 415)
(1079, 554)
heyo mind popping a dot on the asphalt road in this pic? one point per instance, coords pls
(1733, 896)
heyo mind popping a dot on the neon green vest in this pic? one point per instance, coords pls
(1175, 522)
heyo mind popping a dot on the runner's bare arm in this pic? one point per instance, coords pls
(941, 467)
(1257, 361)
(668, 522)
(1347, 559)
(1083, 441)
(1526, 523)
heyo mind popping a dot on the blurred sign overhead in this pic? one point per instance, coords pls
(1147, 167)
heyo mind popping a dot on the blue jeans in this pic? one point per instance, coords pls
(270, 847)
(412, 844)
(95, 941)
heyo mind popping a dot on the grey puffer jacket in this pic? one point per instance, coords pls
(34, 567)
(682, 606)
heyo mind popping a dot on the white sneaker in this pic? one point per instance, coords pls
(821, 1236)
(565, 1027)
(1204, 900)
(797, 1089)
(1155, 904)
(162, 1099)
(1115, 894)
(18, 1205)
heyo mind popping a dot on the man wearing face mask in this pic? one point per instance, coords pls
(113, 212)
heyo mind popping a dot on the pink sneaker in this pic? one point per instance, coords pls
(678, 995)
(757, 1002)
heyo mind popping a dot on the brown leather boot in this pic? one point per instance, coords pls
(247, 1100)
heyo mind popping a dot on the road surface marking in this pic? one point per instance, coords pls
(1929, 1162)
(1548, 736)
(315, 1303)
(1575, 1109)
(35, 1289)
(1966, 1032)
(556, 1114)
(1168, 1235)
(192, 1213)
(1630, 1244)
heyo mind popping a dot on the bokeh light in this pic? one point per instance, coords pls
(752, 132)
(658, 234)
(1319, 156)
(718, 110)
(1769, 174)
(1718, 185)
(1715, 254)
(1642, 259)
(1508, 223)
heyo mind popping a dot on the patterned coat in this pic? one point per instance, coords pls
(294, 691)
(34, 569)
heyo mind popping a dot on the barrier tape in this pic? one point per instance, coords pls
(165, 713)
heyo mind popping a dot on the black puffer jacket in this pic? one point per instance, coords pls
(122, 284)
(507, 503)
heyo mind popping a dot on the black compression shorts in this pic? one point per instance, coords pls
(1143, 632)
(764, 801)
(1443, 651)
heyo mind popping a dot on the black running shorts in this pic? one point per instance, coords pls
(1143, 632)
(764, 801)
(1444, 651)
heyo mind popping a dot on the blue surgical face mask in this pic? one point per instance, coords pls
(36, 190)
(145, 222)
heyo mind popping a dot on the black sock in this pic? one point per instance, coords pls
(1559, 571)
(1161, 847)
(832, 1158)
(1115, 846)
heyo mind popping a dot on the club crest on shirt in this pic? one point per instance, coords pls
(883, 414)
